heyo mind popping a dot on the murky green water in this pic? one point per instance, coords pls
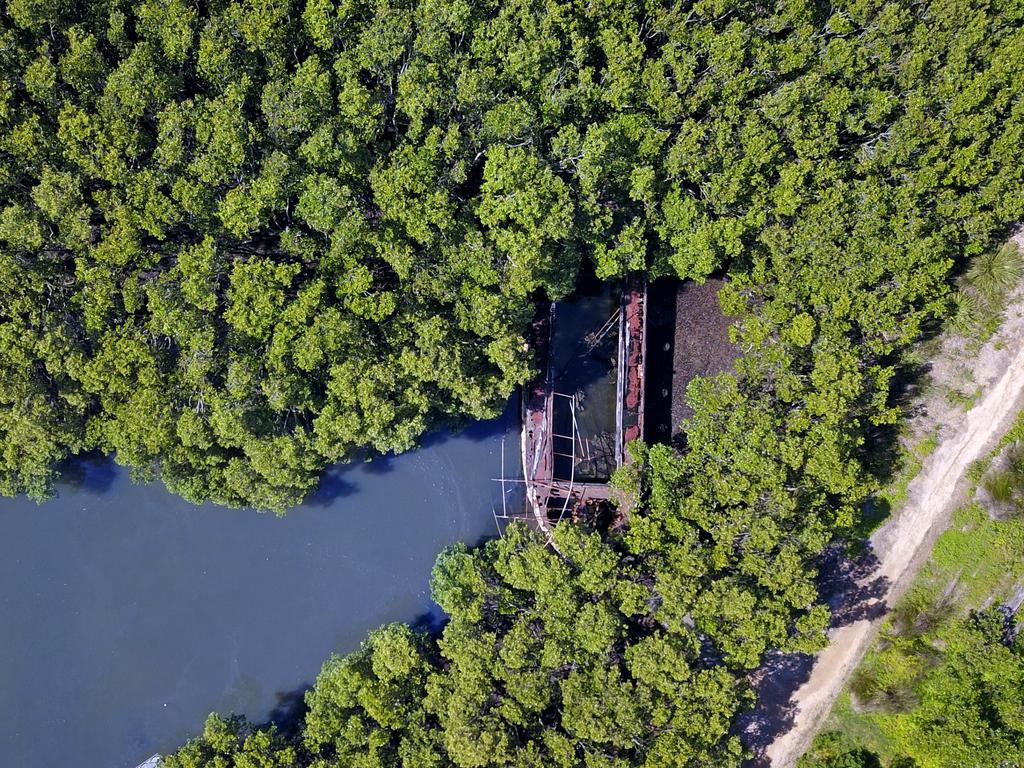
(584, 345)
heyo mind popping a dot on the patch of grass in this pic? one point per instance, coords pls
(1000, 486)
(1004, 480)
(964, 400)
(1015, 457)
(983, 294)
(993, 274)
(860, 728)
(977, 470)
(875, 691)
(927, 446)
(966, 315)
(986, 554)
(873, 515)
(922, 613)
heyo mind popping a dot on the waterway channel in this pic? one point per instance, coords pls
(127, 614)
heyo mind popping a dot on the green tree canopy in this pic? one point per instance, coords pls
(305, 229)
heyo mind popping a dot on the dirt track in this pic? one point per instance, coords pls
(903, 544)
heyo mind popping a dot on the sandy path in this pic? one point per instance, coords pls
(903, 544)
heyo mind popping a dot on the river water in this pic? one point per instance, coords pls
(127, 614)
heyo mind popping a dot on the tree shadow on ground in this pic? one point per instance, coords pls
(880, 454)
(854, 591)
(851, 586)
(775, 682)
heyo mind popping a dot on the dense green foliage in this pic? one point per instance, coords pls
(241, 240)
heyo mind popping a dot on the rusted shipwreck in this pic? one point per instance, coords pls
(586, 404)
